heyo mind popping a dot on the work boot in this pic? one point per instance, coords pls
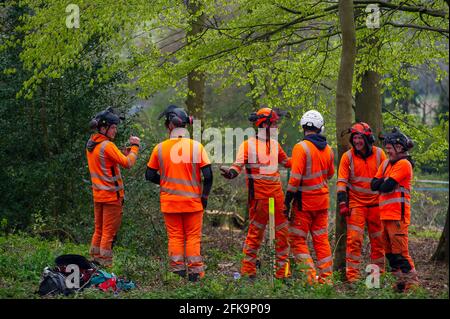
(399, 287)
(194, 277)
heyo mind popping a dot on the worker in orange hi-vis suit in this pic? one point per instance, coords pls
(393, 181)
(356, 199)
(259, 156)
(175, 165)
(312, 166)
(104, 159)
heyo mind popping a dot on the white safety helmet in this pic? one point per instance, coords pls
(312, 120)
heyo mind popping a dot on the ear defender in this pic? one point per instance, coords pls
(93, 124)
(253, 117)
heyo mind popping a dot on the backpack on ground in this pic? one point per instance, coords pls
(53, 280)
(52, 283)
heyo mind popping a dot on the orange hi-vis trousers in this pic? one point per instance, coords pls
(356, 222)
(184, 231)
(259, 217)
(395, 238)
(315, 222)
(108, 217)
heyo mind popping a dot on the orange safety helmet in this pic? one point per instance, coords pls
(264, 114)
(363, 129)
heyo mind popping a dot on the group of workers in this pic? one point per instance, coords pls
(372, 189)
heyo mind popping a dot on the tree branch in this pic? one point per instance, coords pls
(419, 27)
(400, 7)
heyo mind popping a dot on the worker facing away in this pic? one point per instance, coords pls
(104, 159)
(176, 165)
(393, 181)
(312, 166)
(259, 157)
(357, 202)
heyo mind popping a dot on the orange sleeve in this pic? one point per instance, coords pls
(204, 157)
(241, 158)
(401, 172)
(153, 161)
(298, 168)
(331, 168)
(343, 173)
(283, 159)
(117, 156)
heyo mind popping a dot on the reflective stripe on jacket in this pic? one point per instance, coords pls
(260, 159)
(355, 174)
(311, 168)
(104, 159)
(396, 205)
(179, 161)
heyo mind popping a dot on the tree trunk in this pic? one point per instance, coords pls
(344, 108)
(441, 253)
(195, 79)
(368, 102)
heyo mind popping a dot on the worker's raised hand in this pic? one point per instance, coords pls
(225, 172)
(343, 209)
(134, 140)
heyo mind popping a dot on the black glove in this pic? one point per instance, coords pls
(204, 202)
(227, 172)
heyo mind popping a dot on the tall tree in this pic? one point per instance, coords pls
(344, 107)
(195, 78)
(441, 253)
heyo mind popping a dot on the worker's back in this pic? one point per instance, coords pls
(311, 168)
(179, 161)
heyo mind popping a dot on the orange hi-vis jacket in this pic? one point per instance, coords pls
(355, 174)
(260, 158)
(179, 161)
(311, 168)
(104, 159)
(396, 205)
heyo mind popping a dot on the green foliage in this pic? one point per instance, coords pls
(284, 53)
(44, 182)
(431, 144)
